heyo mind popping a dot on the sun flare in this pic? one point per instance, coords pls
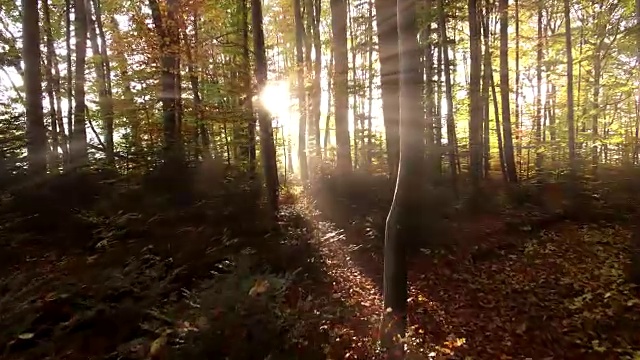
(276, 97)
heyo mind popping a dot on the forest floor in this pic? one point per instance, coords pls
(208, 280)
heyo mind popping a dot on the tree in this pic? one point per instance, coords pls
(36, 134)
(302, 98)
(475, 100)
(170, 80)
(386, 19)
(340, 83)
(79, 155)
(570, 110)
(512, 174)
(403, 222)
(267, 147)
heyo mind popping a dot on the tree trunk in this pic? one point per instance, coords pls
(79, 156)
(570, 110)
(386, 18)
(327, 124)
(451, 125)
(69, 85)
(57, 124)
(317, 87)
(504, 92)
(341, 91)
(170, 94)
(267, 147)
(403, 224)
(538, 120)
(302, 101)
(104, 98)
(475, 97)
(36, 131)
(488, 69)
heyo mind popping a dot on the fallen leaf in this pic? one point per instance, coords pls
(259, 287)
(26, 336)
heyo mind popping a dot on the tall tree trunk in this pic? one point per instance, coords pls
(512, 174)
(104, 97)
(251, 126)
(475, 97)
(519, 127)
(488, 69)
(597, 73)
(36, 131)
(316, 92)
(538, 121)
(267, 146)
(451, 124)
(486, 85)
(170, 94)
(302, 101)
(341, 91)
(79, 156)
(386, 18)
(403, 224)
(69, 85)
(192, 71)
(57, 124)
(433, 158)
(370, 76)
(327, 124)
(570, 110)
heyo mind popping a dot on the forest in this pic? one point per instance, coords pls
(319, 179)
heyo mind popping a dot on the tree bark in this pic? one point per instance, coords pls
(512, 174)
(403, 224)
(36, 131)
(341, 91)
(267, 146)
(301, 93)
(79, 155)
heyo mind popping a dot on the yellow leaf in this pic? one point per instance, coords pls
(259, 287)
(158, 348)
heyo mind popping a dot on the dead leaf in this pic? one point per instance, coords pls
(26, 336)
(261, 286)
(158, 349)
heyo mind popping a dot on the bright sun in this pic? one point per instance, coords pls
(276, 97)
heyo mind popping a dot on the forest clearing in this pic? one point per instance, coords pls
(319, 179)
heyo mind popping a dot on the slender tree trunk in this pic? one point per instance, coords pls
(79, 154)
(488, 68)
(104, 99)
(386, 18)
(570, 110)
(538, 122)
(433, 157)
(512, 174)
(69, 85)
(317, 69)
(518, 119)
(475, 97)
(302, 101)
(251, 126)
(370, 75)
(267, 147)
(52, 64)
(451, 125)
(36, 131)
(170, 95)
(327, 124)
(341, 91)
